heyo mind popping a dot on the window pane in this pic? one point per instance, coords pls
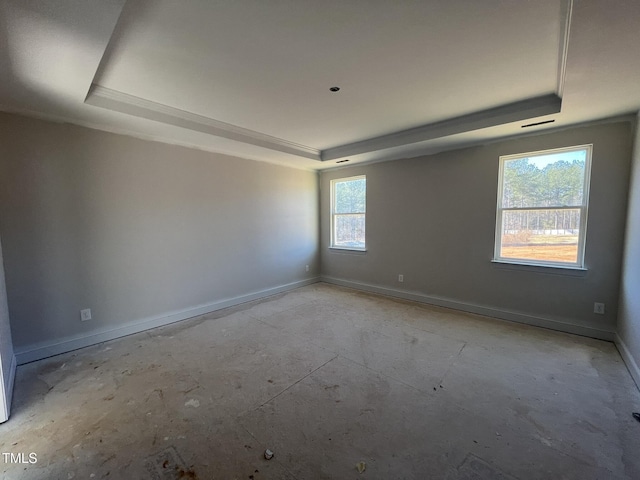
(349, 230)
(350, 196)
(553, 180)
(543, 235)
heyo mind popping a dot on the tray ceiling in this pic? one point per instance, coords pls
(253, 79)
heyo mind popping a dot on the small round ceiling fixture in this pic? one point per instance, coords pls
(335, 89)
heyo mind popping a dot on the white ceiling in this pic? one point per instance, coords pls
(251, 77)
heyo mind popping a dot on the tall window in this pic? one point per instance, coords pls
(542, 207)
(348, 211)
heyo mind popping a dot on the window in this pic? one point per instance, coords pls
(542, 207)
(348, 210)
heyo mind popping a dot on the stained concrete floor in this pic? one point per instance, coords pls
(328, 377)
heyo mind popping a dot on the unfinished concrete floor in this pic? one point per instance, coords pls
(328, 377)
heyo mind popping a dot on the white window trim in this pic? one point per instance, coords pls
(579, 264)
(333, 215)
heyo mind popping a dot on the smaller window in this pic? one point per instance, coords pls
(541, 217)
(348, 211)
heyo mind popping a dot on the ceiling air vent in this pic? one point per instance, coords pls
(537, 123)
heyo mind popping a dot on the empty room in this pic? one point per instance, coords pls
(304, 239)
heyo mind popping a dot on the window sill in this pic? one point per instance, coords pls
(356, 251)
(535, 267)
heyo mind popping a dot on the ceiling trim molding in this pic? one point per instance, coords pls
(103, 97)
(512, 112)
(114, 100)
(565, 31)
(630, 117)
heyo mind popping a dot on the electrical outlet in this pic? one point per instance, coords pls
(306, 267)
(401, 278)
(85, 314)
(598, 308)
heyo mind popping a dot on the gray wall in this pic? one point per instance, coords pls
(135, 229)
(432, 219)
(629, 318)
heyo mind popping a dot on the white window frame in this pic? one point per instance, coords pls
(579, 264)
(332, 243)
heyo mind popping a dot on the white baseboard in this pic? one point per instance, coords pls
(629, 361)
(509, 315)
(39, 351)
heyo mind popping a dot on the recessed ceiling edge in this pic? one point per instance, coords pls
(103, 97)
(511, 112)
